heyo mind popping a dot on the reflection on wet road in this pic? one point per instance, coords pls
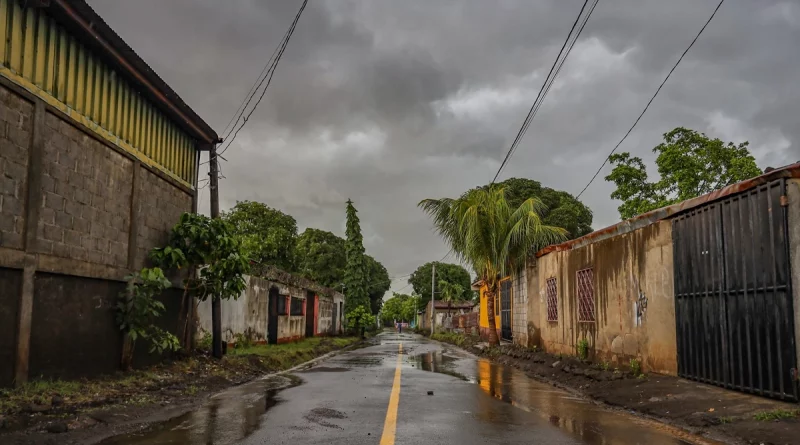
(344, 400)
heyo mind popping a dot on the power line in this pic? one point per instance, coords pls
(266, 78)
(651, 99)
(552, 81)
(251, 92)
(549, 79)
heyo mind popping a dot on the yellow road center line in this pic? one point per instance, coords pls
(390, 424)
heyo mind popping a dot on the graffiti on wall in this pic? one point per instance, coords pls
(640, 308)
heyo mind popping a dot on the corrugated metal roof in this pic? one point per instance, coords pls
(646, 219)
(83, 20)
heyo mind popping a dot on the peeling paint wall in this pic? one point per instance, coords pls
(249, 314)
(633, 300)
(326, 325)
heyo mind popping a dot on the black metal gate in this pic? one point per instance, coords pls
(733, 299)
(505, 310)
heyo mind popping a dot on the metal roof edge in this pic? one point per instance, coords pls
(652, 217)
(79, 16)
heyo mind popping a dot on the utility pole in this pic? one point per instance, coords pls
(216, 308)
(433, 297)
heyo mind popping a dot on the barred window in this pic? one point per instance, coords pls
(552, 300)
(282, 305)
(297, 306)
(585, 285)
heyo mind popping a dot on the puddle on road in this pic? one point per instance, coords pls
(439, 362)
(228, 417)
(585, 420)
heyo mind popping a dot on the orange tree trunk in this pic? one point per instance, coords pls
(493, 340)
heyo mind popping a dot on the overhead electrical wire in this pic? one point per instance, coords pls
(267, 77)
(651, 99)
(572, 37)
(251, 92)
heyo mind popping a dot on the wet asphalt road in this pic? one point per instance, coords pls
(347, 399)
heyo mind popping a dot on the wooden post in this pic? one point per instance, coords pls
(216, 307)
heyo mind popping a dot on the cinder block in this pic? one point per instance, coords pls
(53, 201)
(52, 233)
(63, 220)
(72, 238)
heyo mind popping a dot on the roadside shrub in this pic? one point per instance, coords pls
(242, 341)
(583, 349)
(205, 342)
(636, 367)
(136, 311)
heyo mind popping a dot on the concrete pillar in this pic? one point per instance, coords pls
(793, 195)
(33, 205)
(133, 231)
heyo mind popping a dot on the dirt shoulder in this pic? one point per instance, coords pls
(705, 410)
(58, 411)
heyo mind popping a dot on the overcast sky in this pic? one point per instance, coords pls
(388, 102)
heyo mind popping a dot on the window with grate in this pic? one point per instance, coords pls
(282, 305)
(585, 285)
(552, 300)
(297, 306)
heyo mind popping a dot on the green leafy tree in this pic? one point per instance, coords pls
(420, 280)
(136, 311)
(355, 271)
(213, 255)
(690, 164)
(484, 231)
(563, 210)
(321, 257)
(400, 307)
(378, 282)
(360, 318)
(268, 235)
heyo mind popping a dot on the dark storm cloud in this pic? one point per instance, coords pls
(390, 102)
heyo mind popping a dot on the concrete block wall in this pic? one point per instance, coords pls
(519, 308)
(77, 214)
(86, 190)
(158, 213)
(15, 135)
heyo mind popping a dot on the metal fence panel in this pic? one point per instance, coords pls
(733, 295)
(505, 310)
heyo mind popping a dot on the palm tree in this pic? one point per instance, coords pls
(450, 292)
(495, 239)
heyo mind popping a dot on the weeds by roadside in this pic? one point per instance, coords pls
(186, 377)
(778, 414)
(450, 337)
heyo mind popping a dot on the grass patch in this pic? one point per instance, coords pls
(74, 392)
(450, 337)
(726, 419)
(777, 414)
(287, 355)
(187, 376)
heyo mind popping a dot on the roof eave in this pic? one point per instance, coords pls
(81, 18)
